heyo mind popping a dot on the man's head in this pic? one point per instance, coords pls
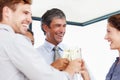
(16, 13)
(30, 35)
(54, 25)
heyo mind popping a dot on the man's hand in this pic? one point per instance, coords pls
(60, 64)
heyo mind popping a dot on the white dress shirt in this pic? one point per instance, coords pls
(20, 61)
(47, 53)
(46, 50)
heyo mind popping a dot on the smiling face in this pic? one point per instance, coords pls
(113, 36)
(55, 32)
(22, 21)
(19, 19)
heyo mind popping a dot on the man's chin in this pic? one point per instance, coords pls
(24, 32)
(59, 41)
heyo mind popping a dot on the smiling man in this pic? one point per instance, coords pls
(18, 58)
(53, 25)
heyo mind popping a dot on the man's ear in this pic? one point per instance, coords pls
(6, 12)
(45, 27)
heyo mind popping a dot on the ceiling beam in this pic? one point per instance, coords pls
(87, 22)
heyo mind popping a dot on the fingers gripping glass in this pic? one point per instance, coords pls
(72, 54)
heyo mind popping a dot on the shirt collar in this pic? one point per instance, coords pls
(6, 27)
(49, 46)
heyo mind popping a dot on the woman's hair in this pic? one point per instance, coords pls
(114, 21)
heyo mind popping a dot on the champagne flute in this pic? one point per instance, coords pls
(77, 54)
(71, 54)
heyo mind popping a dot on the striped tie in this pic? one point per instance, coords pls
(56, 53)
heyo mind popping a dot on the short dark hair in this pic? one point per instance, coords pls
(114, 20)
(49, 15)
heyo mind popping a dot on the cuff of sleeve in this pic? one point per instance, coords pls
(68, 76)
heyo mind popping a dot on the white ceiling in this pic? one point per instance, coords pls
(79, 11)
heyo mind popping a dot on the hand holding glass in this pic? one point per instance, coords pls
(72, 54)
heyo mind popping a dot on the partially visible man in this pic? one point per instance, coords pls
(18, 58)
(30, 35)
(53, 25)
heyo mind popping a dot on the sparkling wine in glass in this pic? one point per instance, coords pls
(77, 54)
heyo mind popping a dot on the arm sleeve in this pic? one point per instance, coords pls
(27, 60)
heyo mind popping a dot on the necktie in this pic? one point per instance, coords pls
(56, 53)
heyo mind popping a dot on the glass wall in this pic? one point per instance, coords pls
(95, 50)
